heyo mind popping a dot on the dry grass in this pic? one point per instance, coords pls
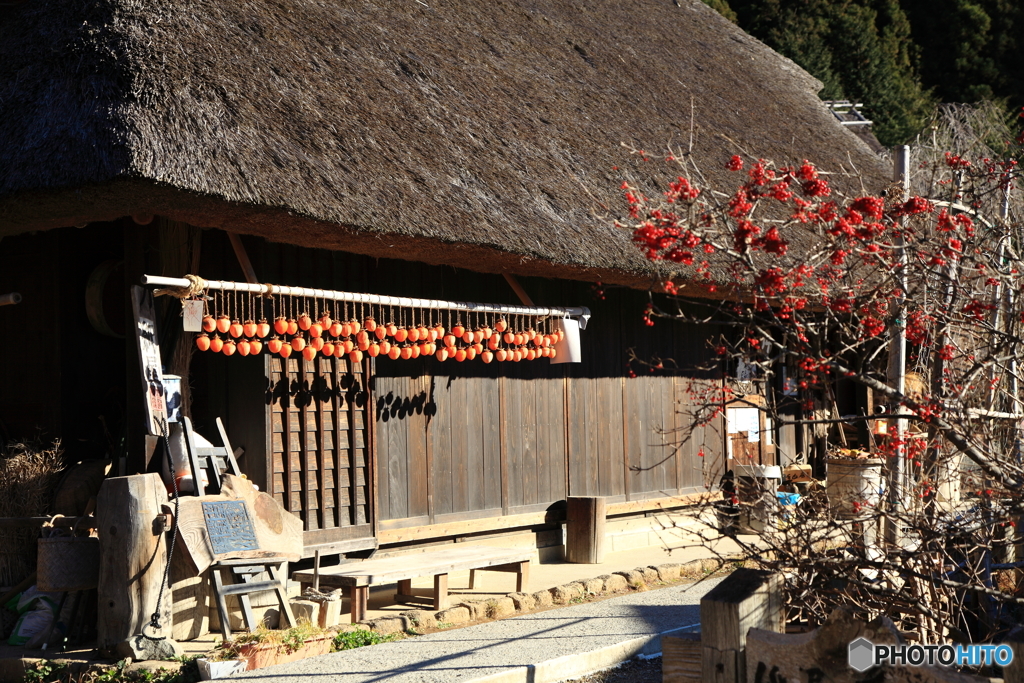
(28, 476)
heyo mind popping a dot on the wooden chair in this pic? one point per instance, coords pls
(248, 569)
(215, 460)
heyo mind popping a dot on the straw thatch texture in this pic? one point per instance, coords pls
(475, 134)
(28, 475)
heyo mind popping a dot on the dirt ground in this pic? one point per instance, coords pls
(633, 671)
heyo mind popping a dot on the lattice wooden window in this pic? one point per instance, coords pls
(322, 470)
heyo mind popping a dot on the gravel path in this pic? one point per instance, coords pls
(508, 645)
(633, 671)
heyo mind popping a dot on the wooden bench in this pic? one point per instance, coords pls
(357, 577)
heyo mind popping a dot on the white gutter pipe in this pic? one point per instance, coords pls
(579, 312)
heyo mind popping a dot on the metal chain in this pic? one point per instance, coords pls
(154, 621)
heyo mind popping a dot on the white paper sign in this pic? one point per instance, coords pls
(192, 315)
(744, 420)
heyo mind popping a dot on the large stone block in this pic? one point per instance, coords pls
(524, 602)
(543, 599)
(634, 579)
(668, 572)
(650, 574)
(614, 583)
(563, 595)
(453, 615)
(477, 609)
(500, 607)
(387, 625)
(421, 618)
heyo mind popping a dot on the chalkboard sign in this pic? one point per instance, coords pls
(229, 527)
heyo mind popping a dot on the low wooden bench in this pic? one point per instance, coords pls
(357, 577)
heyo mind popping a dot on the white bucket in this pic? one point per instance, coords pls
(854, 486)
(568, 350)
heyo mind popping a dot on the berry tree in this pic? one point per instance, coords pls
(819, 283)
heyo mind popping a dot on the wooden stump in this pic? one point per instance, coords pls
(681, 658)
(747, 598)
(584, 530)
(133, 554)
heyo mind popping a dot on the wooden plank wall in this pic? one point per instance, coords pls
(466, 441)
(512, 438)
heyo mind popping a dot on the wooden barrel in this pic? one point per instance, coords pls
(854, 486)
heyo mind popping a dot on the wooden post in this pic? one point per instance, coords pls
(747, 598)
(133, 554)
(584, 529)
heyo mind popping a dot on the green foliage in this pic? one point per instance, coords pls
(898, 57)
(971, 50)
(859, 49)
(46, 671)
(347, 640)
(722, 7)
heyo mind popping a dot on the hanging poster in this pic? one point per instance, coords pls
(149, 359)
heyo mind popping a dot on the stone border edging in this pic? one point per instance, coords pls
(476, 611)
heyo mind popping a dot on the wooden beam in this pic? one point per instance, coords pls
(347, 546)
(243, 258)
(419, 533)
(524, 298)
(486, 524)
(669, 503)
(132, 559)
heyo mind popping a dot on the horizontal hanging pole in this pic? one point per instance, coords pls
(10, 299)
(582, 313)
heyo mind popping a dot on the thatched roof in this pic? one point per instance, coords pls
(478, 134)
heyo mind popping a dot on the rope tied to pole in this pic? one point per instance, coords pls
(197, 286)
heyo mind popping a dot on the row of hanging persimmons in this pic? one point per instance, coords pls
(306, 336)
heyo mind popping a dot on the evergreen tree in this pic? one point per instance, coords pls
(859, 49)
(971, 50)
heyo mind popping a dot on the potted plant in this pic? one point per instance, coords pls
(265, 647)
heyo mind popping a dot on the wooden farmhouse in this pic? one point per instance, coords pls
(456, 151)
